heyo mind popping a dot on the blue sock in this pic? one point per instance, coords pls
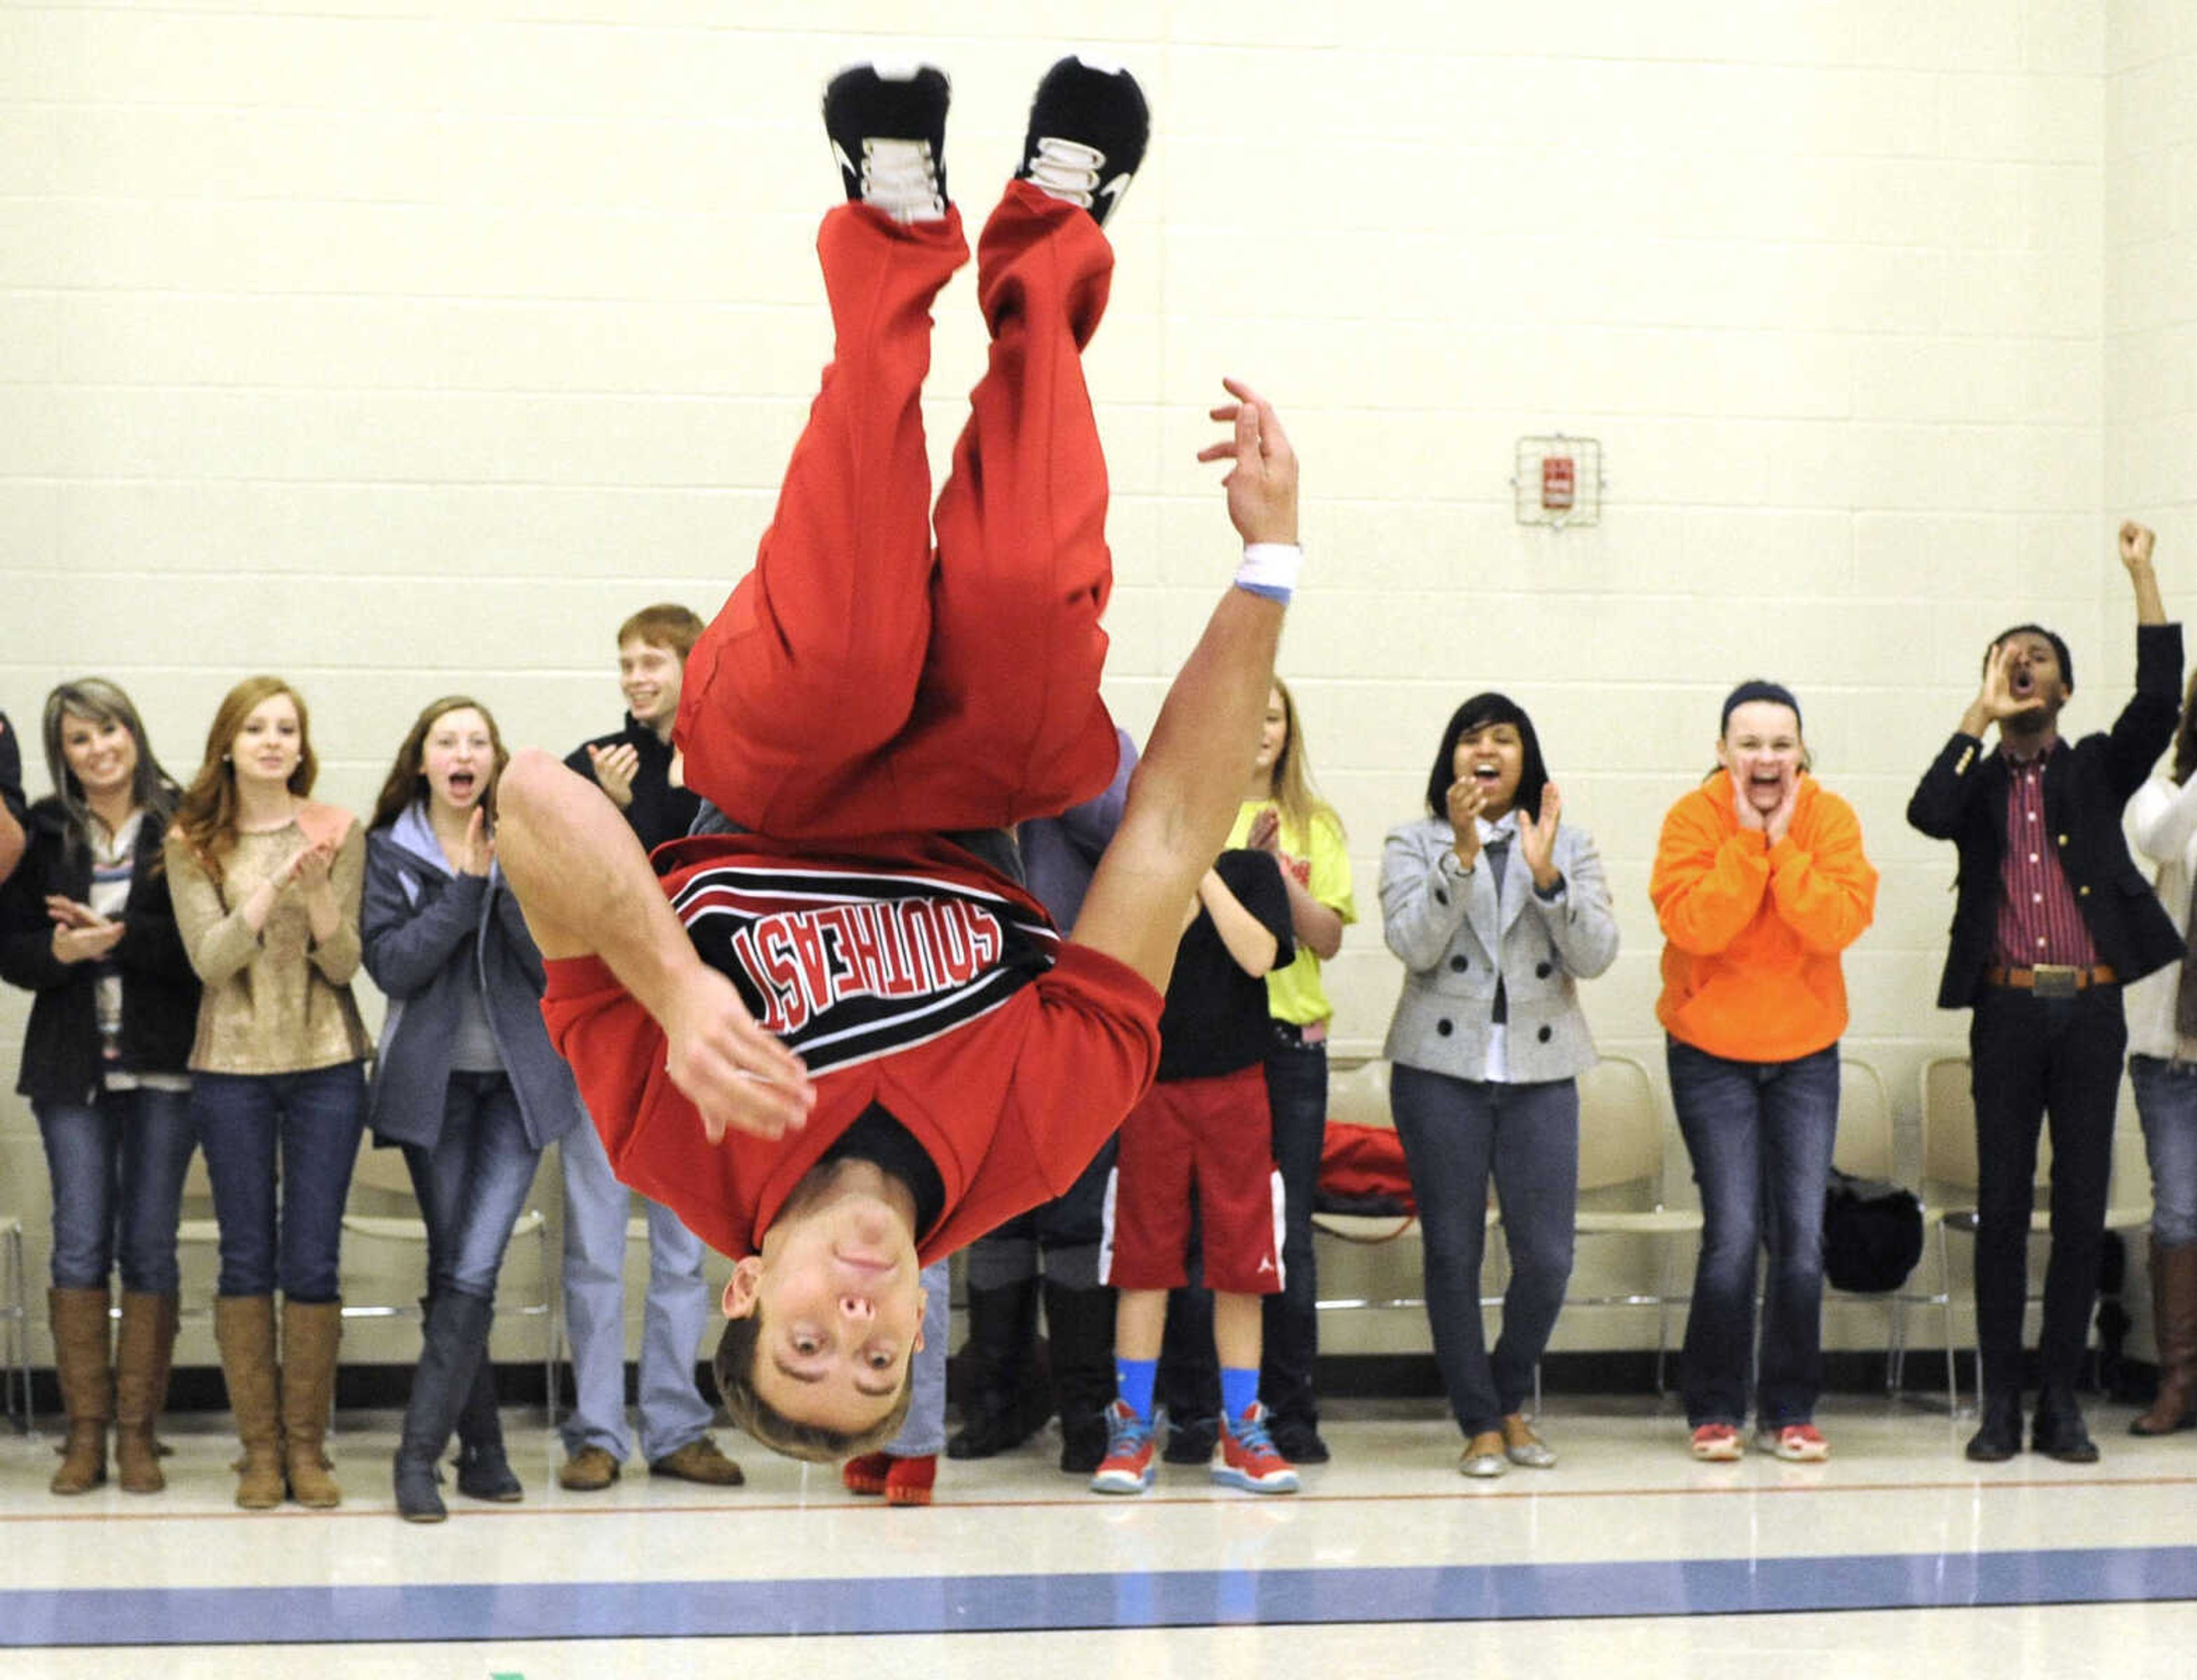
(1133, 1381)
(1239, 1391)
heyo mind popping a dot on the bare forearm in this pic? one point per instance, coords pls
(1183, 796)
(1202, 747)
(1251, 942)
(2150, 609)
(583, 882)
(586, 889)
(1318, 928)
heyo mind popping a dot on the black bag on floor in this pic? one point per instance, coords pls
(1872, 1234)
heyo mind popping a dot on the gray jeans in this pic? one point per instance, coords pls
(1456, 1133)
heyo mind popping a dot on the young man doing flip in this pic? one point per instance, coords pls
(839, 1044)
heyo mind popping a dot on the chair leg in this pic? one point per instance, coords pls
(1663, 1319)
(553, 1324)
(19, 1306)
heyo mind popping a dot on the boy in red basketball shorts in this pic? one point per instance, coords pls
(1201, 1137)
(840, 1044)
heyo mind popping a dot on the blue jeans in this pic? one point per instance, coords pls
(1760, 1134)
(1456, 1134)
(118, 1167)
(472, 1184)
(924, 1433)
(2166, 1104)
(1297, 1093)
(672, 1410)
(296, 1131)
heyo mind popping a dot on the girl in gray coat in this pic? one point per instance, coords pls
(464, 1081)
(1496, 910)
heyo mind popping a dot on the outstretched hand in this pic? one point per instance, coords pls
(1537, 838)
(739, 1075)
(1262, 483)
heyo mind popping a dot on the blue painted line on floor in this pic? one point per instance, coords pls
(1037, 1603)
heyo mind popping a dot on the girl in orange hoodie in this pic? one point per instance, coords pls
(1759, 883)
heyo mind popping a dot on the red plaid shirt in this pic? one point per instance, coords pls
(2038, 919)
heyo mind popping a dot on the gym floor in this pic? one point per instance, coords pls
(1896, 1558)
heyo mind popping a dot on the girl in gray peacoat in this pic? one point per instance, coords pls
(1496, 910)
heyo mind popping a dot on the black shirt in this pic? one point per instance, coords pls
(1216, 1020)
(11, 773)
(659, 811)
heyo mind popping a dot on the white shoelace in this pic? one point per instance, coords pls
(898, 177)
(1067, 168)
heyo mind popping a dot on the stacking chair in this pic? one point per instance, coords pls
(1360, 1095)
(1623, 1139)
(15, 1313)
(1865, 1150)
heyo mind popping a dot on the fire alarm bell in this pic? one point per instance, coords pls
(1559, 482)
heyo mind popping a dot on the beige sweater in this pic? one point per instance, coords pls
(276, 1002)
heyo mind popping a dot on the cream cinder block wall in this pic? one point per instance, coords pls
(2151, 270)
(408, 349)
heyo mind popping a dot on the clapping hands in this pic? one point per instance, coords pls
(81, 933)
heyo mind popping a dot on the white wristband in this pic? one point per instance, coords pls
(1270, 569)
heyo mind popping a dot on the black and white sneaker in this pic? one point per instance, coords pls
(888, 131)
(1088, 126)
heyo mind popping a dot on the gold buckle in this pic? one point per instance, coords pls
(2056, 980)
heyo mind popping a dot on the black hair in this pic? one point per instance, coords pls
(2059, 649)
(733, 1366)
(1476, 714)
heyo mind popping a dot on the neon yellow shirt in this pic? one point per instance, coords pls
(1321, 865)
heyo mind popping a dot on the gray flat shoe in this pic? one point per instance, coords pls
(1483, 1457)
(1533, 1453)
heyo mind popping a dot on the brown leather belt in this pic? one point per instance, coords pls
(2050, 980)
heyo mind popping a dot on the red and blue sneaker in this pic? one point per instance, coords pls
(1248, 1458)
(1128, 1467)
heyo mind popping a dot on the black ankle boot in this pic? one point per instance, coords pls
(483, 1471)
(454, 1346)
(2058, 1432)
(2000, 1436)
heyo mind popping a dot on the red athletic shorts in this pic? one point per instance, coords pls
(1207, 1142)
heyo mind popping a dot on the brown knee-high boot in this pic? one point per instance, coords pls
(310, 1331)
(143, 1354)
(2174, 1324)
(243, 1331)
(81, 1359)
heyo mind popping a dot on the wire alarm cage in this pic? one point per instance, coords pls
(1558, 481)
